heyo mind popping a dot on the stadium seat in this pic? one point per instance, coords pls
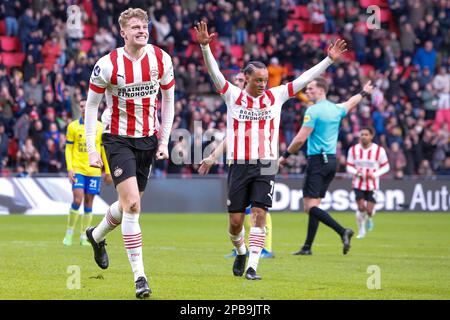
(366, 3)
(237, 51)
(89, 31)
(260, 37)
(385, 15)
(367, 69)
(10, 43)
(302, 12)
(303, 26)
(13, 59)
(193, 34)
(86, 45)
(2, 27)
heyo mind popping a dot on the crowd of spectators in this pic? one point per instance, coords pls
(407, 58)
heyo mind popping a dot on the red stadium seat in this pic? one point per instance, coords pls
(2, 27)
(302, 26)
(13, 59)
(260, 37)
(10, 43)
(193, 34)
(367, 69)
(89, 31)
(366, 3)
(86, 45)
(385, 15)
(303, 12)
(237, 51)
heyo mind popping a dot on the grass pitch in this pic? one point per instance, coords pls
(184, 259)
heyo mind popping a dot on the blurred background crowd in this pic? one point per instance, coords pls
(48, 50)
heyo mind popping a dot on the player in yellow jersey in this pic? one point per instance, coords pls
(86, 180)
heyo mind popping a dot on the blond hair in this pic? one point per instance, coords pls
(132, 13)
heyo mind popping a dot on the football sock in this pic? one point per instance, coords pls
(132, 238)
(256, 241)
(238, 242)
(109, 222)
(268, 242)
(361, 220)
(313, 225)
(85, 221)
(72, 219)
(325, 218)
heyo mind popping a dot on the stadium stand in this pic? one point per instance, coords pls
(43, 71)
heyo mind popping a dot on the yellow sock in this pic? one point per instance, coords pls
(72, 220)
(85, 222)
(268, 243)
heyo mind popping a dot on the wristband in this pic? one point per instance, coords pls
(286, 154)
(364, 93)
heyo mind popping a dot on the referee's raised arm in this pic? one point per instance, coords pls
(353, 101)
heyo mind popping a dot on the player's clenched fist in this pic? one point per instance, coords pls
(95, 160)
(162, 152)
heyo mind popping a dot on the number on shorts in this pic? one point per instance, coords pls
(93, 184)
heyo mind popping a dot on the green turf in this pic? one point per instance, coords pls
(184, 259)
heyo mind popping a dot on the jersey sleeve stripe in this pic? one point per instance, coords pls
(383, 164)
(350, 164)
(224, 89)
(69, 142)
(167, 86)
(96, 89)
(291, 89)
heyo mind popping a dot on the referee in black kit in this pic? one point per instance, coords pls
(321, 127)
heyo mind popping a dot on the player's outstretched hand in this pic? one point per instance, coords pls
(335, 50)
(162, 152)
(205, 166)
(368, 87)
(203, 37)
(108, 179)
(95, 160)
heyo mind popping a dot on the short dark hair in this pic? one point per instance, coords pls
(321, 82)
(251, 66)
(370, 129)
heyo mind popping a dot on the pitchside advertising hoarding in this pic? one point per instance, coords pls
(53, 196)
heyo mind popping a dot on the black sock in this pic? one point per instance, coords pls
(313, 225)
(324, 217)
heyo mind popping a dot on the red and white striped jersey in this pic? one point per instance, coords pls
(361, 161)
(131, 89)
(253, 123)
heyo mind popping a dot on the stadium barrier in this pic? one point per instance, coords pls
(53, 195)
